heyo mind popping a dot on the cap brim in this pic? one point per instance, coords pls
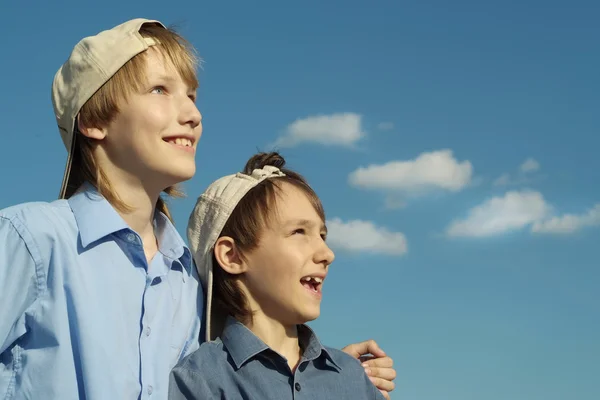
(67, 174)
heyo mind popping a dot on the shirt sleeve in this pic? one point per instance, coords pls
(18, 280)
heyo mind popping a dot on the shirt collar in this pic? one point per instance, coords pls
(96, 218)
(312, 347)
(242, 344)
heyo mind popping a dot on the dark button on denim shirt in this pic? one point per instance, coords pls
(241, 366)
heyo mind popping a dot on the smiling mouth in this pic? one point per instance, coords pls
(183, 142)
(312, 283)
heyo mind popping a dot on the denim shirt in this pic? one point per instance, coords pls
(241, 366)
(83, 315)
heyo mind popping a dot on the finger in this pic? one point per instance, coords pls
(363, 348)
(384, 362)
(382, 384)
(385, 394)
(364, 359)
(389, 374)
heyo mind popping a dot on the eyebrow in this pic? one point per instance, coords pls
(168, 79)
(307, 224)
(163, 78)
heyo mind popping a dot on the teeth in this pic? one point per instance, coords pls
(312, 278)
(182, 142)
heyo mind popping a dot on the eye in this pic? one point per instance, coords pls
(299, 231)
(324, 237)
(159, 90)
(192, 97)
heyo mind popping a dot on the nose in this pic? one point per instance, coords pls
(324, 255)
(189, 114)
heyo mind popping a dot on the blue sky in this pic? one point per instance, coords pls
(453, 144)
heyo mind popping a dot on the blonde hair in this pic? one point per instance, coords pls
(103, 107)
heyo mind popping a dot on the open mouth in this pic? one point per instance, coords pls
(312, 283)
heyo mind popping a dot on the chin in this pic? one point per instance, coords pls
(310, 315)
(181, 174)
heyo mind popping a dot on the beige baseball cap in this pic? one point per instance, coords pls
(212, 210)
(93, 61)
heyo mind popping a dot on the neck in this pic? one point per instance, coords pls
(279, 337)
(140, 217)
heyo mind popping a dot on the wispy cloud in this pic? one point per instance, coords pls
(385, 126)
(502, 180)
(343, 129)
(569, 223)
(394, 203)
(528, 167)
(433, 170)
(513, 211)
(365, 236)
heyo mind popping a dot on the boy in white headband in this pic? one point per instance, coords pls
(259, 242)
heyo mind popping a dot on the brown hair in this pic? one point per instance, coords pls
(245, 224)
(103, 107)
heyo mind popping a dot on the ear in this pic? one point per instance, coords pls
(229, 257)
(92, 133)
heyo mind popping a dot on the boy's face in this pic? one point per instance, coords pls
(156, 131)
(284, 272)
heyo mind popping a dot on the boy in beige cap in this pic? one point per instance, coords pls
(259, 241)
(99, 294)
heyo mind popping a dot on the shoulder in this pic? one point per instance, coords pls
(209, 356)
(36, 228)
(342, 358)
(201, 374)
(353, 375)
(29, 233)
(36, 214)
(347, 363)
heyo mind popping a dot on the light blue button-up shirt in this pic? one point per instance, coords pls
(83, 315)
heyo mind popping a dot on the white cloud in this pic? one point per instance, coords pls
(343, 129)
(530, 165)
(365, 236)
(385, 126)
(568, 223)
(513, 211)
(434, 170)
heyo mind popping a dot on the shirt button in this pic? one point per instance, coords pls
(297, 386)
(147, 332)
(131, 237)
(150, 389)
